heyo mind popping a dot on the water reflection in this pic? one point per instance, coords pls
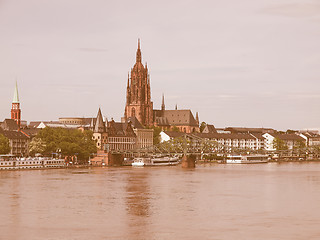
(138, 203)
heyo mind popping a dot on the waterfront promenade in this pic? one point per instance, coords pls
(212, 201)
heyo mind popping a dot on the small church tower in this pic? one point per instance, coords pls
(15, 109)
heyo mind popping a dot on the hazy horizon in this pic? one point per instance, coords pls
(238, 63)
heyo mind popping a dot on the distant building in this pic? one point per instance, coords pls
(113, 136)
(19, 142)
(209, 129)
(311, 138)
(170, 135)
(226, 141)
(259, 140)
(76, 121)
(9, 125)
(249, 130)
(121, 137)
(291, 140)
(181, 119)
(144, 136)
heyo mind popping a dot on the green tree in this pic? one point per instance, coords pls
(279, 144)
(300, 145)
(68, 142)
(156, 135)
(4, 145)
(202, 126)
(175, 129)
(37, 145)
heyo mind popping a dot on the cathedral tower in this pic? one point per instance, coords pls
(15, 109)
(138, 102)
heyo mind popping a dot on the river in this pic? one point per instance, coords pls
(212, 201)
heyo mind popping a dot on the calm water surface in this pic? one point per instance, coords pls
(263, 201)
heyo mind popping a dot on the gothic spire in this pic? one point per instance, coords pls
(176, 107)
(163, 107)
(128, 81)
(16, 94)
(138, 57)
(99, 127)
(197, 118)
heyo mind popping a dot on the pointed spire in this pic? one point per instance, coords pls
(163, 107)
(197, 118)
(176, 107)
(99, 127)
(16, 94)
(138, 57)
(128, 80)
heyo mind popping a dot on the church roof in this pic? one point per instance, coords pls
(118, 129)
(162, 121)
(209, 129)
(180, 117)
(135, 123)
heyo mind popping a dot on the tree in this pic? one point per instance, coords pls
(279, 144)
(4, 145)
(68, 142)
(156, 134)
(300, 145)
(37, 145)
(175, 129)
(202, 126)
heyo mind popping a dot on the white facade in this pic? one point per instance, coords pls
(268, 142)
(164, 137)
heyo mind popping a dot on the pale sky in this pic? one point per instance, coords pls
(249, 63)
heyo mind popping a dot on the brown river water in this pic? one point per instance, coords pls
(212, 201)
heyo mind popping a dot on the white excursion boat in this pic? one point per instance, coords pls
(140, 162)
(156, 161)
(247, 159)
(10, 162)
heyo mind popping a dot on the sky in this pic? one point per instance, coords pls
(248, 63)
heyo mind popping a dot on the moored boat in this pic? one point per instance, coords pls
(247, 159)
(10, 162)
(156, 161)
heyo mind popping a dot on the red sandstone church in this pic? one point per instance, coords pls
(140, 106)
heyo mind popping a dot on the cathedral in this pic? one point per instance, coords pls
(140, 106)
(138, 102)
